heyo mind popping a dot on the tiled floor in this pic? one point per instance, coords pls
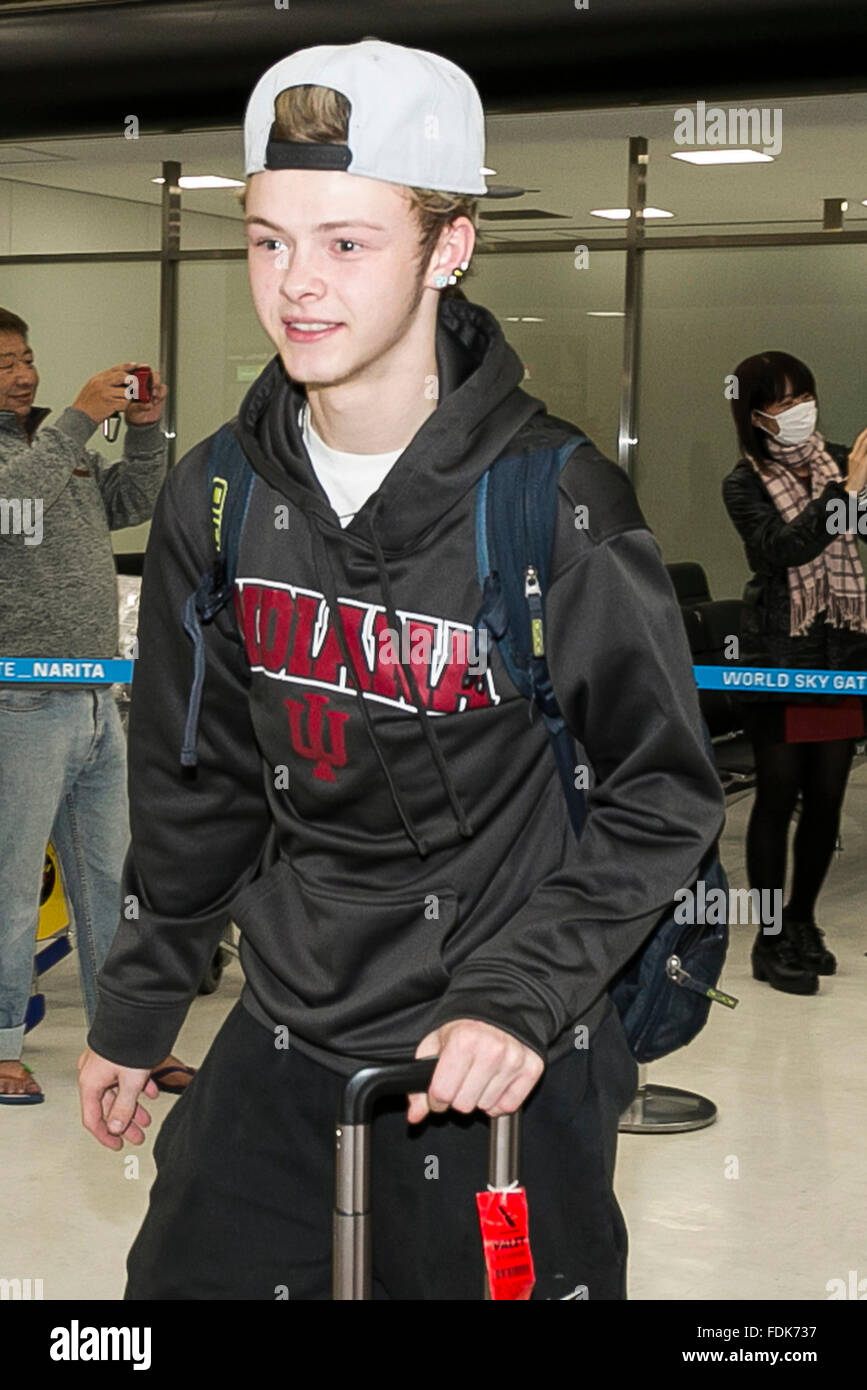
(769, 1202)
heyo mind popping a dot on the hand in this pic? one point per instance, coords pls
(856, 478)
(104, 393)
(110, 1093)
(480, 1067)
(138, 413)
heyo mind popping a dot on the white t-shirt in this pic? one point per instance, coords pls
(348, 479)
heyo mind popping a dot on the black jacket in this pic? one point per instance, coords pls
(395, 862)
(772, 547)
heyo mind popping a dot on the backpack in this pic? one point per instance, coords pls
(664, 993)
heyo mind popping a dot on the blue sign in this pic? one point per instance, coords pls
(50, 670)
(789, 680)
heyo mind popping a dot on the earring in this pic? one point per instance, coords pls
(441, 281)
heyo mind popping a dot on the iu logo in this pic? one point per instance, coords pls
(313, 746)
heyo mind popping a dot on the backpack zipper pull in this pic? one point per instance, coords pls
(675, 971)
(533, 595)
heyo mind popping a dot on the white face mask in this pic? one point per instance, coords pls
(795, 424)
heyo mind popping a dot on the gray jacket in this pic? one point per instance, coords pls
(59, 501)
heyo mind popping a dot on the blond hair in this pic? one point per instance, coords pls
(319, 115)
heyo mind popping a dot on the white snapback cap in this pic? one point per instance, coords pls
(415, 118)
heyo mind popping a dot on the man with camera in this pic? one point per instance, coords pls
(62, 747)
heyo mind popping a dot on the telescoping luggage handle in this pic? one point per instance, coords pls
(352, 1249)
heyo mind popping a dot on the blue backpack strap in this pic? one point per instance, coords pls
(230, 482)
(516, 510)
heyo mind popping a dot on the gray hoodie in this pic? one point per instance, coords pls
(59, 501)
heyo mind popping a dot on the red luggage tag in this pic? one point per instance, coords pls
(506, 1242)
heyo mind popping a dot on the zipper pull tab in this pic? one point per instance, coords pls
(533, 595)
(675, 971)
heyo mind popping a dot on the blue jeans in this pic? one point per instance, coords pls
(62, 778)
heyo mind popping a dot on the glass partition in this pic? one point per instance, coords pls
(563, 315)
(704, 312)
(221, 347)
(39, 220)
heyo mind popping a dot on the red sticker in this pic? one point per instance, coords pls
(506, 1243)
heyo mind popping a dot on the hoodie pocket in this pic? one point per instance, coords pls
(341, 961)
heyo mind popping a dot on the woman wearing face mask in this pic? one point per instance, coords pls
(805, 606)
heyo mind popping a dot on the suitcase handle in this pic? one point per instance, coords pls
(367, 1086)
(352, 1252)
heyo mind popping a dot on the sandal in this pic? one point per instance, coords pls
(21, 1097)
(173, 1090)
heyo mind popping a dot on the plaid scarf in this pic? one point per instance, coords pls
(833, 582)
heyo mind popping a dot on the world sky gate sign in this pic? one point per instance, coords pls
(781, 680)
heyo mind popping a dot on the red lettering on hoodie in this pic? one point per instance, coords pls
(280, 626)
(450, 692)
(422, 645)
(353, 615)
(388, 676)
(275, 620)
(329, 662)
(247, 604)
(299, 656)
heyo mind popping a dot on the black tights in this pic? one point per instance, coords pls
(818, 771)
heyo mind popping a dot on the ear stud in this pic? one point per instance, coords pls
(443, 280)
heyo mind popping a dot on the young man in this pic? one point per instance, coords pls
(387, 830)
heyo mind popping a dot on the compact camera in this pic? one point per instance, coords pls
(140, 390)
(143, 392)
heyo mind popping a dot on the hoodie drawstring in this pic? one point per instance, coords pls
(330, 587)
(420, 842)
(436, 752)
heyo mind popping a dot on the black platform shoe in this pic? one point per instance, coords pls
(811, 945)
(778, 960)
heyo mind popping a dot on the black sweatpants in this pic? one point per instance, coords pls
(241, 1206)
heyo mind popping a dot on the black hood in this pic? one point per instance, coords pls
(481, 407)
